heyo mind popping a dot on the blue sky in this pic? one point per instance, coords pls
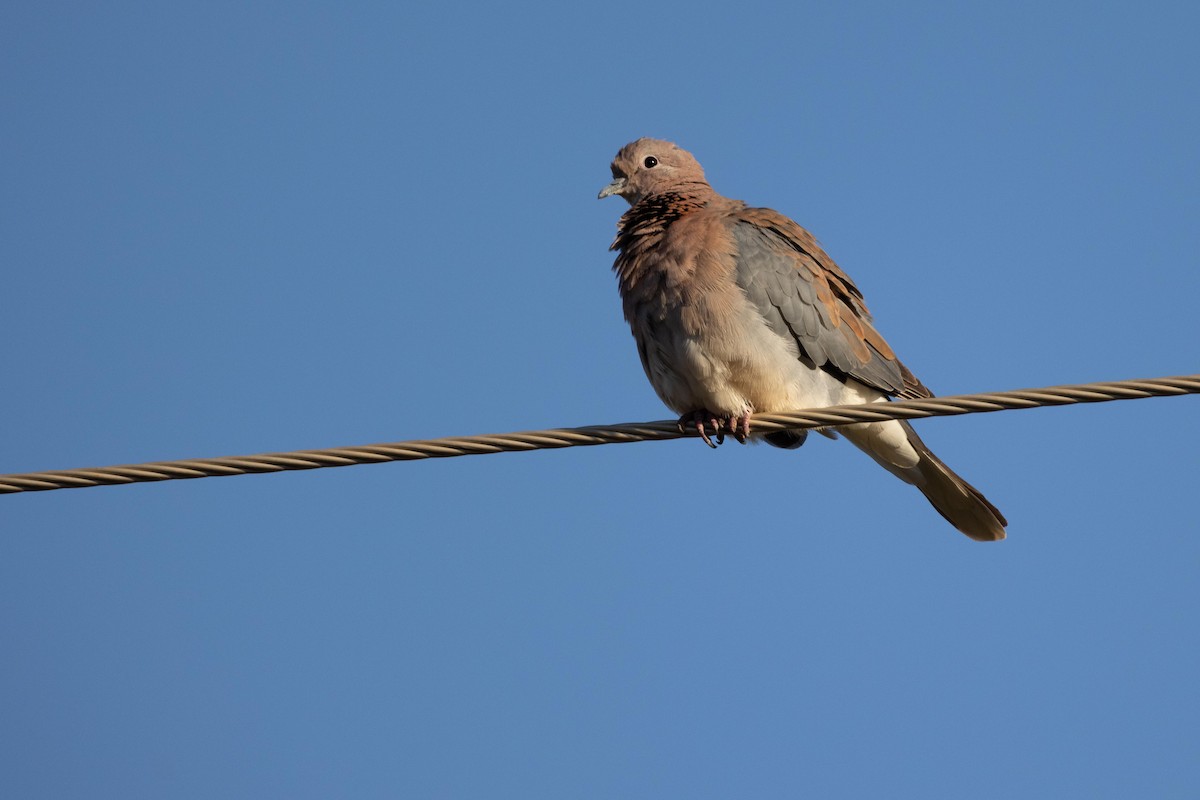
(237, 228)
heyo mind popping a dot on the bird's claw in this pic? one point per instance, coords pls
(703, 421)
(700, 422)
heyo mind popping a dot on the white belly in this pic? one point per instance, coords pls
(752, 369)
(746, 369)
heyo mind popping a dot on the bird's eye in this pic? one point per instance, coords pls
(650, 161)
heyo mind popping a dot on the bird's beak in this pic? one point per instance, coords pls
(616, 187)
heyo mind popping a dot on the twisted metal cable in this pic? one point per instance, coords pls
(593, 435)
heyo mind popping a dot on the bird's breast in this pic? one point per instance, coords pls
(702, 343)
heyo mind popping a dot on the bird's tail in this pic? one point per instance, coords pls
(959, 502)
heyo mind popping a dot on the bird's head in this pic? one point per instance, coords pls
(647, 167)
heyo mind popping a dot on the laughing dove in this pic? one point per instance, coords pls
(738, 310)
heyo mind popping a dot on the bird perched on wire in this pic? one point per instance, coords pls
(738, 310)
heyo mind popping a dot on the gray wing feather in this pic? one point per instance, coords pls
(780, 279)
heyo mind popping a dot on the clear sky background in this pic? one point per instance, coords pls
(230, 228)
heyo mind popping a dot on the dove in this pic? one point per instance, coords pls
(738, 310)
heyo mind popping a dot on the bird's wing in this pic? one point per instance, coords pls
(803, 295)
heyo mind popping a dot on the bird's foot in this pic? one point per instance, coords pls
(703, 421)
